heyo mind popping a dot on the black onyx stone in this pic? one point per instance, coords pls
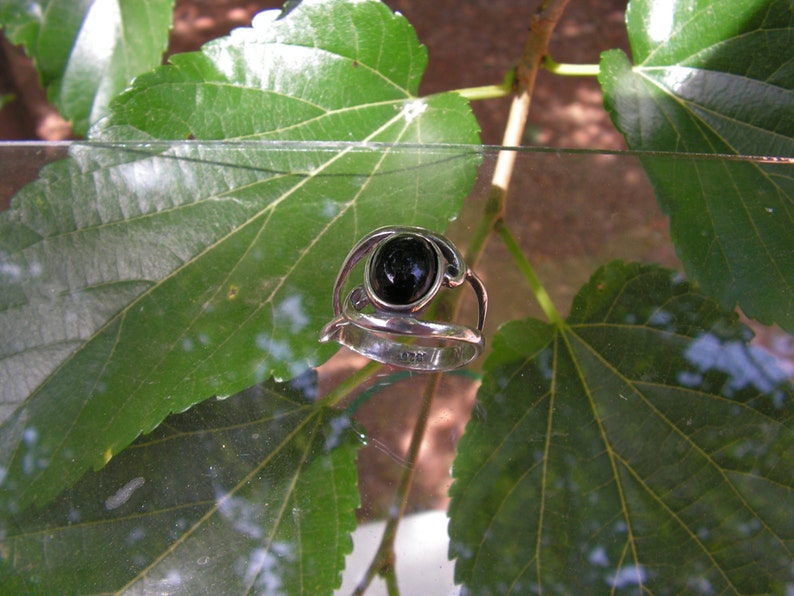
(403, 270)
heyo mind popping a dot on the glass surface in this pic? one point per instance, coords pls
(569, 211)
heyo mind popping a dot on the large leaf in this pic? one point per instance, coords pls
(140, 279)
(88, 51)
(254, 493)
(717, 76)
(642, 447)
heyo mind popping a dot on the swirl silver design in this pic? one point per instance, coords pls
(405, 269)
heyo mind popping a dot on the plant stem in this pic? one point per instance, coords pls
(523, 79)
(383, 561)
(350, 384)
(391, 582)
(541, 26)
(485, 92)
(571, 70)
(529, 274)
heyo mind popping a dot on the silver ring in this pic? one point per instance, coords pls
(405, 269)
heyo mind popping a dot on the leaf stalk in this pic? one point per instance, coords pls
(571, 70)
(523, 264)
(485, 92)
(350, 384)
(541, 27)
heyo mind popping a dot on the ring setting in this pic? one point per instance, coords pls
(405, 269)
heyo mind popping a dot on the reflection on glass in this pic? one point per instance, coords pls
(143, 280)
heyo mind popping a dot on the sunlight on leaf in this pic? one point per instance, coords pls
(253, 493)
(645, 446)
(715, 77)
(86, 53)
(140, 278)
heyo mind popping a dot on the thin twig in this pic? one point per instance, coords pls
(350, 384)
(541, 26)
(571, 70)
(485, 92)
(546, 305)
(383, 561)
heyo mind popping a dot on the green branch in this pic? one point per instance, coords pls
(383, 562)
(490, 91)
(571, 70)
(350, 384)
(521, 82)
(541, 295)
(485, 92)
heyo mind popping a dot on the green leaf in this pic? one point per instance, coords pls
(643, 447)
(87, 51)
(142, 278)
(716, 77)
(254, 493)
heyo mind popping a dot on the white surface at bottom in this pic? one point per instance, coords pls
(422, 564)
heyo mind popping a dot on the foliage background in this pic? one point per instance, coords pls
(586, 244)
(469, 44)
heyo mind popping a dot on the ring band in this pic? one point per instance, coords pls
(405, 269)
